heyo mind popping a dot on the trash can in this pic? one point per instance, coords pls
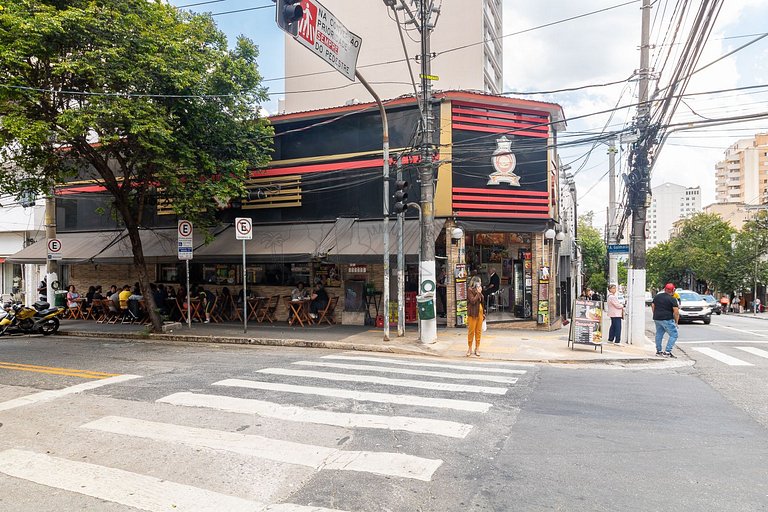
(60, 299)
(426, 306)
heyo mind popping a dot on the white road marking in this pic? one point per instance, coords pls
(697, 342)
(755, 351)
(403, 371)
(744, 330)
(403, 383)
(45, 396)
(127, 488)
(465, 367)
(317, 457)
(305, 415)
(723, 358)
(386, 398)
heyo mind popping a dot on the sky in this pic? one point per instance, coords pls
(593, 49)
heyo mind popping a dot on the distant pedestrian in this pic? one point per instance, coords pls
(666, 316)
(756, 305)
(475, 314)
(724, 302)
(615, 310)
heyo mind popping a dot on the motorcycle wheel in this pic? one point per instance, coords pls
(3, 330)
(50, 326)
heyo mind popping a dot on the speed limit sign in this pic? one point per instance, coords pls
(243, 228)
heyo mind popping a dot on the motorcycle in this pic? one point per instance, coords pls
(38, 319)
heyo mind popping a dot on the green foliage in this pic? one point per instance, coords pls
(621, 271)
(750, 247)
(147, 98)
(593, 253)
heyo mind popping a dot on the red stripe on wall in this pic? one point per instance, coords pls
(502, 215)
(543, 120)
(486, 206)
(79, 190)
(514, 109)
(520, 200)
(471, 128)
(306, 169)
(502, 124)
(486, 191)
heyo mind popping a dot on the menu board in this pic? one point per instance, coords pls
(586, 323)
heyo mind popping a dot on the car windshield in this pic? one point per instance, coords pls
(709, 298)
(690, 296)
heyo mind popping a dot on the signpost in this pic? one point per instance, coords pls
(244, 231)
(185, 230)
(54, 249)
(618, 248)
(328, 38)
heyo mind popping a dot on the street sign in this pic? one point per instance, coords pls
(54, 249)
(328, 38)
(243, 228)
(185, 239)
(618, 249)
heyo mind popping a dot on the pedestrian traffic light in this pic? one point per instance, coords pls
(401, 196)
(289, 12)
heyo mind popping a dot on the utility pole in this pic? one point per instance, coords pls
(613, 236)
(638, 192)
(51, 266)
(400, 261)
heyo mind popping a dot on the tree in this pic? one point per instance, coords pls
(663, 266)
(143, 98)
(593, 252)
(748, 265)
(703, 248)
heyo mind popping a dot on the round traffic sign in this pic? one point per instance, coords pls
(54, 245)
(243, 226)
(185, 228)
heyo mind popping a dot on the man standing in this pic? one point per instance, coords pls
(494, 283)
(666, 316)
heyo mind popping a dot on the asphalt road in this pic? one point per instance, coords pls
(203, 427)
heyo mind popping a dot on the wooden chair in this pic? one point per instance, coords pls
(326, 315)
(114, 312)
(269, 309)
(215, 310)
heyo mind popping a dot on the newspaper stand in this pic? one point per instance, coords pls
(586, 324)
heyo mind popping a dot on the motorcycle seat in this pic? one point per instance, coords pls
(47, 312)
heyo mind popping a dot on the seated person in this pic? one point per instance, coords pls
(123, 296)
(89, 295)
(159, 299)
(208, 299)
(319, 300)
(299, 292)
(71, 296)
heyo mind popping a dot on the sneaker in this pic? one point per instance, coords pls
(660, 354)
(670, 354)
(617, 343)
(312, 315)
(207, 322)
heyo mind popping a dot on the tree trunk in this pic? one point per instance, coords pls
(141, 268)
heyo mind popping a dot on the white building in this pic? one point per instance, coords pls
(670, 203)
(18, 228)
(477, 24)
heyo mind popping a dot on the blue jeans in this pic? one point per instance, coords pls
(614, 332)
(668, 326)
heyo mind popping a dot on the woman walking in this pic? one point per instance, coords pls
(475, 314)
(615, 311)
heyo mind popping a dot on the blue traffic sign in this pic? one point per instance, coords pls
(618, 248)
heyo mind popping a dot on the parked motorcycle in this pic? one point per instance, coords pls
(38, 319)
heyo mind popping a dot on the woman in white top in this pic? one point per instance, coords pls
(615, 310)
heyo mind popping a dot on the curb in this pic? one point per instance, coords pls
(336, 345)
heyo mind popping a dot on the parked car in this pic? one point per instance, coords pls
(713, 303)
(693, 307)
(648, 298)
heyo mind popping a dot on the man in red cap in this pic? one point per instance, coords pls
(666, 316)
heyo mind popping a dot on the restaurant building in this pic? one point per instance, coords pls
(317, 212)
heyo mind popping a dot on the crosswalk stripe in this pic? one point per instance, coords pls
(386, 398)
(755, 351)
(465, 367)
(52, 394)
(316, 457)
(305, 415)
(406, 383)
(128, 488)
(723, 358)
(424, 373)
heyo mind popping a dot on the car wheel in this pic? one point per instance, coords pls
(717, 312)
(707, 320)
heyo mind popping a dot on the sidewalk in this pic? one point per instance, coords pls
(520, 345)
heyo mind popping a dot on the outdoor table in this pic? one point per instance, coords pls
(297, 311)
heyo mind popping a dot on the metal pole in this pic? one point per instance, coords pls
(245, 294)
(51, 266)
(400, 263)
(189, 302)
(385, 176)
(427, 259)
(613, 236)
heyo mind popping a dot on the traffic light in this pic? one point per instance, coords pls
(289, 12)
(401, 196)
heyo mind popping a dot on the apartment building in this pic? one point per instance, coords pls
(465, 41)
(735, 214)
(670, 203)
(742, 175)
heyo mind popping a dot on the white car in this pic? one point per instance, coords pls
(693, 307)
